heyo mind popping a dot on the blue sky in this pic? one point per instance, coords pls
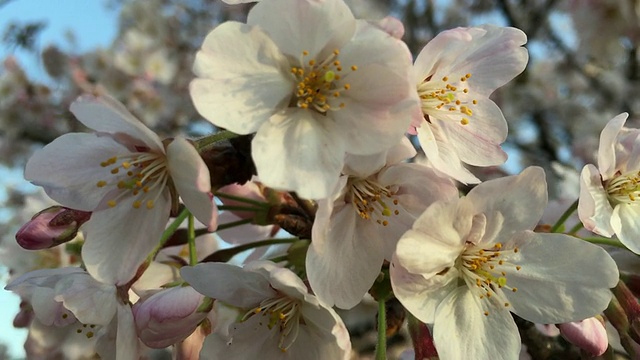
(93, 25)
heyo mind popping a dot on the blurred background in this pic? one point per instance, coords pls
(584, 69)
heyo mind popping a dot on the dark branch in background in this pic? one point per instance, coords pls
(22, 36)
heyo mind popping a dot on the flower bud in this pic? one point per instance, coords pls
(170, 315)
(50, 227)
(629, 304)
(589, 335)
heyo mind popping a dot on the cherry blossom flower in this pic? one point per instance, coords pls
(313, 83)
(358, 228)
(282, 320)
(71, 297)
(123, 173)
(608, 194)
(467, 263)
(455, 74)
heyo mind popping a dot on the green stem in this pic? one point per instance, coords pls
(278, 259)
(191, 238)
(240, 199)
(576, 228)
(209, 140)
(564, 217)
(238, 208)
(226, 254)
(381, 348)
(168, 232)
(233, 224)
(604, 241)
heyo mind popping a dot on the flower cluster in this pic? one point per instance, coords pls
(316, 169)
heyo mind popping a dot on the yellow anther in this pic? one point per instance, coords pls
(305, 53)
(445, 79)
(111, 203)
(475, 102)
(336, 52)
(518, 267)
(514, 289)
(312, 62)
(486, 313)
(115, 171)
(467, 76)
(506, 304)
(464, 121)
(354, 68)
(137, 204)
(89, 334)
(150, 204)
(347, 86)
(126, 165)
(101, 183)
(121, 184)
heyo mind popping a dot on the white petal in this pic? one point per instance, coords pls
(69, 169)
(302, 25)
(106, 114)
(420, 295)
(126, 338)
(239, 87)
(119, 239)
(607, 150)
(462, 331)
(299, 150)
(228, 283)
(191, 177)
(435, 242)
(520, 200)
(594, 209)
(442, 154)
(89, 300)
(381, 100)
(553, 286)
(344, 267)
(625, 222)
(478, 142)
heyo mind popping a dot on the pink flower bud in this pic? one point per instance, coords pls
(50, 227)
(170, 315)
(589, 335)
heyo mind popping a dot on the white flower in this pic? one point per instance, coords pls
(455, 74)
(61, 296)
(312, 82)
(358, 228)
(610, 194)
(466, 263)
(282, 320)
(123, 174)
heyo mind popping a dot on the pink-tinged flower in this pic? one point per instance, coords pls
(455, 73)
(123, 174)
(609, 194)
(467, 263)
(312, 82)
(170, 315)
(589, 335)
(71, 297)
(51, 227)
(282, 320)
(377, 200)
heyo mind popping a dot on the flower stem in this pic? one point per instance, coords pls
(604, 241)
(212, 139)
(191, 238)
(240, 198)
(381, 348)
(225, 254)
(576, 228)
(233, 224)
(166, 235)
(238, 208)
(564, 217)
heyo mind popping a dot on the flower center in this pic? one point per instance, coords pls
(319, 84)
(483, 270)
(368, 198)
(88, 330)
(624, 189)
(451, 97)
(282, 313)
(140, 174)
